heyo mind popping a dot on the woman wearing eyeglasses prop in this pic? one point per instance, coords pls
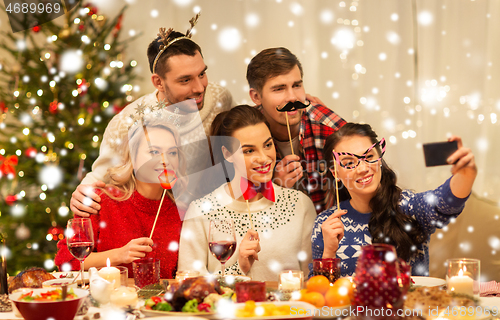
(375, 210)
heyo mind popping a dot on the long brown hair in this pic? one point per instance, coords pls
(388, 224)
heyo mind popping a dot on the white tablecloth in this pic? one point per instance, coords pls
(485, 302)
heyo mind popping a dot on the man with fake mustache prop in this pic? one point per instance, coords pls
(299, 127)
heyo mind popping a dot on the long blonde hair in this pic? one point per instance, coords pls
(122, 176)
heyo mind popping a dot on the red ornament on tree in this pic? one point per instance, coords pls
(31, 152)
(53, 107)
(3, 108)
(55, 232)
(8, 164)
(83, 87)
(92, 9)
(10, 199)
(36, 29)
(118, 26)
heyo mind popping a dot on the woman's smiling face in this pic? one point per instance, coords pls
(155, 155)
(257, 153)
(362, 181)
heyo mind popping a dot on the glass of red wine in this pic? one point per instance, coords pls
(222, 240)
(80, 239)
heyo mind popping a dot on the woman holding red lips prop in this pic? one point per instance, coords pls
(137, 200)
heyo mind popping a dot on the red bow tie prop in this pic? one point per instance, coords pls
(250, 190)
(7, 164)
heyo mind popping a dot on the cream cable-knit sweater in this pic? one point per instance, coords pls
(217, 100)
(284, 229)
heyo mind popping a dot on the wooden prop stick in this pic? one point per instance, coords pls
(336, 182)
(249, 214)
(162, 196)
(158, 213)
(289, 134)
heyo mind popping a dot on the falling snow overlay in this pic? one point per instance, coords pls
(440, 76)
(284, 231)
(60, 84)
(432, 209)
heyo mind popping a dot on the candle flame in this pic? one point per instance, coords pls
(108, 263)
(460, 273)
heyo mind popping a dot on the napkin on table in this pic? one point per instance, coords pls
(489, 289)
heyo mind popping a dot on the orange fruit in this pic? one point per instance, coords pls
(314, 298)
(337, 296)
(319, 284)
(346, 283)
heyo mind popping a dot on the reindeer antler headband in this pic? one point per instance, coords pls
(163, 34)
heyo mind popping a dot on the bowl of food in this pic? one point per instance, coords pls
(47, 303)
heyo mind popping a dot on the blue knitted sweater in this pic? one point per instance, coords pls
(432, 209)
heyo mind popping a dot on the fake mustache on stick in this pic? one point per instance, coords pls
(293, 106)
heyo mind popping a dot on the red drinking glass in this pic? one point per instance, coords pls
(146, 271)
(329, 267)
(378, 279)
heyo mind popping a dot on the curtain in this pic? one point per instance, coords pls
(416, 70)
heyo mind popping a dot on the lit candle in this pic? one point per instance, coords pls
(111, 274)
(461, 284)
(290, 281)
(3, 268)
(124, 296)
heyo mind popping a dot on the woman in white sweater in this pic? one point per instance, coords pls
(278, 235)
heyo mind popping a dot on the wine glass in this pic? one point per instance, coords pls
(222, 240)
(80, 239)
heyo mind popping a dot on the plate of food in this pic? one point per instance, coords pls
(427, 281)
(435, 303)
(197, 296)
(251, 310)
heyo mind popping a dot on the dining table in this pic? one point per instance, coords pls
(489, 302)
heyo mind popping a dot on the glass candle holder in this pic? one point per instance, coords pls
(329, 268)
(124, 296)
(250, 290)
(123, 276)
(463, 276)
(291, 280)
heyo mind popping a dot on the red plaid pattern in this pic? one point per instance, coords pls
(318, 122)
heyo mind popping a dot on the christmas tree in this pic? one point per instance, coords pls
(60, 84)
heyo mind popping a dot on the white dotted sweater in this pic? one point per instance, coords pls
(432, 209)
(284, 229)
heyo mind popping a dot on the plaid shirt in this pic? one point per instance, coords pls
(318, 122)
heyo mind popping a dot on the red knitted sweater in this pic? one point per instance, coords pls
(118, 222)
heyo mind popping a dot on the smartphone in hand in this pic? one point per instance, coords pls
(436, 153)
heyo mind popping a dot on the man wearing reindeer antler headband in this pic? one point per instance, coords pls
(299, 128)
(178, 74)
